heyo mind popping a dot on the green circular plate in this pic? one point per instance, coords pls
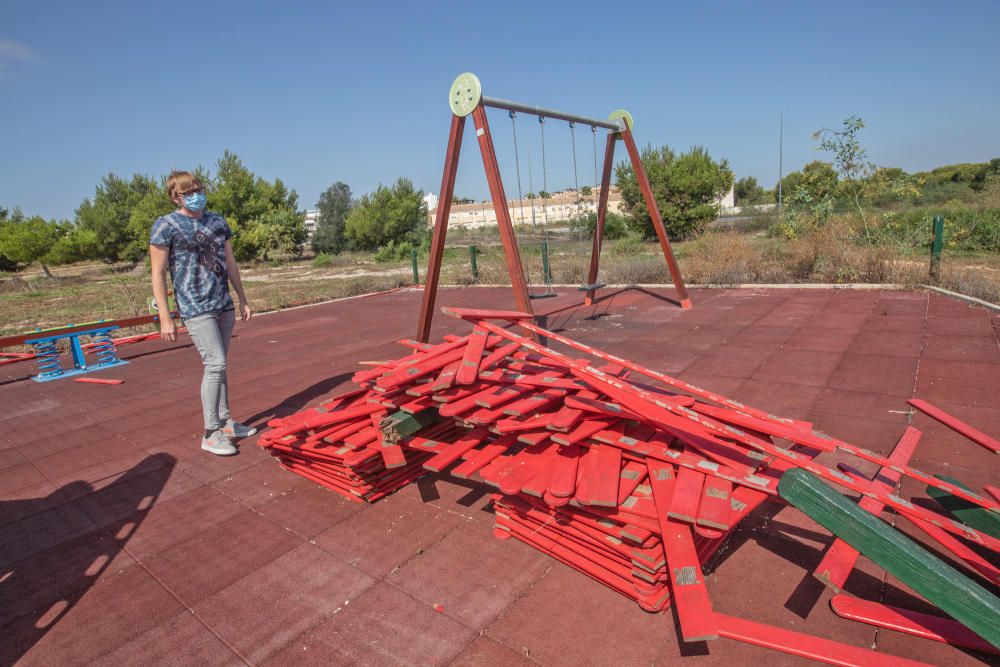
(621, 113)
(465, 93)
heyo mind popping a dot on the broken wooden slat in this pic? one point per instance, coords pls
(957, 425)
(910, 622)
(714, 509)
(806, 646)
(455, 452)
(959, 597)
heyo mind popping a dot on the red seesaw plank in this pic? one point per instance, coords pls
(687, 583)
(455, 452)
(910, 622)
(957, 425)
(806, 646)
(839, 560)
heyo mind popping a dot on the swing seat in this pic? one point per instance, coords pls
(543, 295)
(592, 286)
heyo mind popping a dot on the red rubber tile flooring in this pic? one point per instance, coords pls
(121, 542)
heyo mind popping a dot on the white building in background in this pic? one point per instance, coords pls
(431, 200)
(558, 208)
(310, 223)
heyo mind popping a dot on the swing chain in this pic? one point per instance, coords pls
(517, 165)
(576, 180)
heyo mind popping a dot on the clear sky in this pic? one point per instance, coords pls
(316, 92)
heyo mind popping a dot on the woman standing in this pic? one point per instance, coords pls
(196, 246)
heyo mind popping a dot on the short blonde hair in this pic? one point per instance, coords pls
(181, 181)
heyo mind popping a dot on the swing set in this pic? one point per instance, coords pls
(466, 98)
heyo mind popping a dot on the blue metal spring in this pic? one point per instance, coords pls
(104, 348)
(49, 358)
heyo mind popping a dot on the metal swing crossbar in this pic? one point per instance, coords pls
(466, 99)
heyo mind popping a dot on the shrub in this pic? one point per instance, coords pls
(322, 260)
(394, 252)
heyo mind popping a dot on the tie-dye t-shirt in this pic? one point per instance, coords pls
(197, 260)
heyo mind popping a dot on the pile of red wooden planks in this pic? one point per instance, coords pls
(634, 481)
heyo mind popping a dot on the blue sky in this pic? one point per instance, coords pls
(316, 92)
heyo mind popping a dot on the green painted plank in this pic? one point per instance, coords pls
(401, 424)
(971, 515)
(959, 597)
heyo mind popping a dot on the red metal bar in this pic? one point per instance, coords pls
(910, 622)
(602, 214)
(511, 252)
(806, 646)
(654, 213)
(957, 425)
(839, 560)
(440, 227)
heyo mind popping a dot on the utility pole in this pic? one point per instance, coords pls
(781, 139)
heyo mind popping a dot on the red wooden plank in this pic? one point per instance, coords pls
(687, 583)
(957, 425)
(806, 646)
(840, 558)
(714, 510)
(604, 408)
(475, 314)
(455, 452)
(497, 355)
(583, 430)
(499, 395)
(472, 357)
(564, 472)
(936, 628)
(393, 457)
(607, 470)
(683, 504)
(479, 458)
(535, 403)
(649, 405)
(787, 432)
(98, 381)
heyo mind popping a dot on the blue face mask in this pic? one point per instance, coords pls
(195, 201)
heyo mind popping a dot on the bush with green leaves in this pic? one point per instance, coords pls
(322, 261)
(965, 229)
(615, 226)
(687, 187)
(333, 206)
(394, 252)
(389, 214)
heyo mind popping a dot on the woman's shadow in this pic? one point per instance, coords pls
(47, 565)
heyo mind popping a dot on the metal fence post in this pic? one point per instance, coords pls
(472, 262)
(937, 241)
(413, 258)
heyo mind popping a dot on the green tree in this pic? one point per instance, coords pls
(818, 178)
(748, 192)
(261, 214)
(120, 215)
(23, 241)
(586, 191)
(396, 213)
(333, 206)
(687, 189)
(849, 159)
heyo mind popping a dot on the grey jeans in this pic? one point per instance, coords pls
(211, 333)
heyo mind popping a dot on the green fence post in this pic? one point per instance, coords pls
(546, 270)
(472, 262)
(416, 276)
(936, 242)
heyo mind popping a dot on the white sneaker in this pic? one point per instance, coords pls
(234, 429)
(218, 444)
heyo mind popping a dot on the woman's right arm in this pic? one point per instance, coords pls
(158, 256)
